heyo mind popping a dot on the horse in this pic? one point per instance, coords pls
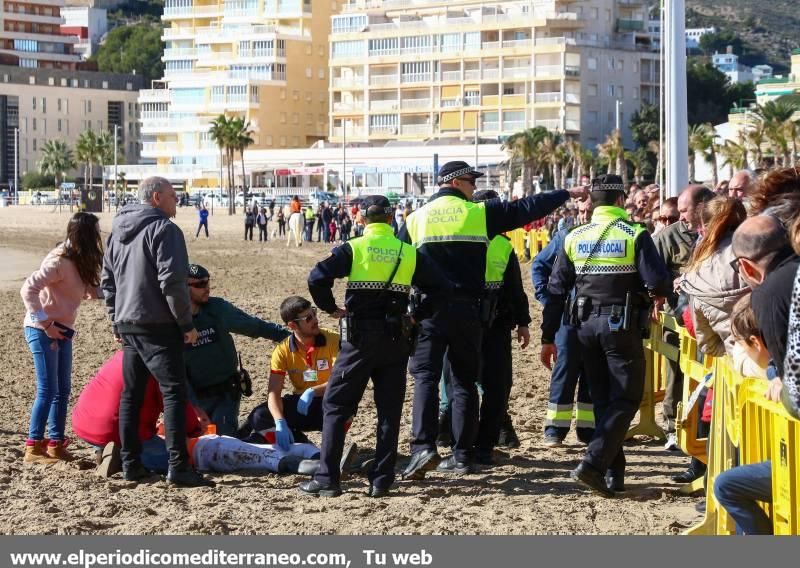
(294, 227)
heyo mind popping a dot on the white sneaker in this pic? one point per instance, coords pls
(672, 443)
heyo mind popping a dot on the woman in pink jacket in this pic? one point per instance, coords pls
(69, 274)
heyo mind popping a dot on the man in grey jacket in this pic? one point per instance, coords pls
(144, 284)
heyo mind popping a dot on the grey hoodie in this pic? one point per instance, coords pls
(144, 273)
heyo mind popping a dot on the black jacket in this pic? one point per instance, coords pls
(771, 304)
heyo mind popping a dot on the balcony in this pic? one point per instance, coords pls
(547, 97)
(472, 74)
(572, 71)
(178, 12)
(491, 100)
(450, 102)
(572, 125)
(180, 53)
(549, 70)
(451, 75)
(415, 78)
(548, 123)
(154, 96)
(352, 131)
(26, 16)
(489, 74)
(415, 129)
(513, 125)
(517, 43)
(630, 25)
(263, 53)
(377, 80)
(383, 129)
(345, 82)
(158, 125)
(415, 103)
(217, 34)
(516, 72)
(472, 101)
(490, 126)
(513, 100)
(384, 52)
(184, 32)
(348, 107)
(384, 105)
(284, 8)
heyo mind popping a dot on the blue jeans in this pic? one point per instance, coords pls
(222, 410)
(52, 360)
(566, 376)
(155, 456)
(738, 490)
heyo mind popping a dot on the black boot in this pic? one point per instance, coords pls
(508, 437)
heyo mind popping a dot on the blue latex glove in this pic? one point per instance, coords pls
(283, 434)
(304, 402)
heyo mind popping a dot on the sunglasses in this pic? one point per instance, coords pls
(668, 219)
(200, 285)
(470, 181)
(308, 318)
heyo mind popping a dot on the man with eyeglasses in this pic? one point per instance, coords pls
(211, 360)
(454, 233)
(306, 359)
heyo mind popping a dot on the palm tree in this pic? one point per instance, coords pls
(57, 159)
(221, 133)
(701, 141)
(86, 150)
(612, 153)
(241, 140)
(734, 156)
(552, 155)
(654, 147)
(756, 137)
(523, 147)
(639, 161)
(775, 116)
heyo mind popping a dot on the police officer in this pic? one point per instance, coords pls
(567, 372)
(615, 269)
(509, 306)
(455, 234)
(376, 341)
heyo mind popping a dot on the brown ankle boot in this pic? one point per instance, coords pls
(59, 451)
(37, 453)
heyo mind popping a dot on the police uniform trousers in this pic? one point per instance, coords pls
(454, 328)
(568, 375)
(373, 354)
(613, 362)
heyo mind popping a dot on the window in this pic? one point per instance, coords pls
(59, 125)
(591, 63)
(105, 84)
(636, 92)
(295, 118)
(89, 107)
(58, 105)
(283, 94)
(321, 73)
(309, 49)
(620, 92)
(34, 144)
(283, 141)
(354, 48)
(296, 95)
(309, 118)
(608, 15)
(595, 14)
(309, 96)
(34, 103)
(295, 141)
(635, 66)
(591, 90)
(620, 66)
(268, 140)
(283, 118)
(591, 117)
(44, 105)
(33, 124)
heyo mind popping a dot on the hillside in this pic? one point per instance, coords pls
(768, 28)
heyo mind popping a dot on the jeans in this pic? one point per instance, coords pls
(202, 225)
(222, 410)
(248, 232)
(159, 355)
(262, 233)
(738, 491)
(566, 376)
(52, 361)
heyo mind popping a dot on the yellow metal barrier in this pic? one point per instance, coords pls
(517, 237)
(746, 428)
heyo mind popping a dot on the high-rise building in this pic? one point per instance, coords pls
(263, 60)
(444, 69)
(31, 35)
(38, 105)
(89, 25)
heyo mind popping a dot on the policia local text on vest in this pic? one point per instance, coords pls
(455, 233)
(615, 269)
(380, 270)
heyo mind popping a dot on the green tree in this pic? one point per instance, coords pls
(57, 159)
(719, 42)
(645, 125)
(241, 138)
(86, 152)
(223, 135)
(133, 48)
(36, 180)
(709, 95)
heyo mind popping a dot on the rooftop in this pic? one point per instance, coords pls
(71, 78)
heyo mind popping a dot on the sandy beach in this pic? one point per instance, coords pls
(528, 492)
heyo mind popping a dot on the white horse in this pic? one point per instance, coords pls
(295, 228)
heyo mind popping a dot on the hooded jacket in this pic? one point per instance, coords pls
(715, 288)
(144, 273)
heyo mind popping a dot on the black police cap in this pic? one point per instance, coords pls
(457, 169)
(608, 182)
(375, 205)
(198, 272)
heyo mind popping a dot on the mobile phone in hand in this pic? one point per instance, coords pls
(67, 332)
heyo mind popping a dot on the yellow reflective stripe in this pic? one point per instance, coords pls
(584, 417)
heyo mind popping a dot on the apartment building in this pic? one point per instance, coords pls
(264, 60)
(31, 35)
(50, 104)
(442, 69)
